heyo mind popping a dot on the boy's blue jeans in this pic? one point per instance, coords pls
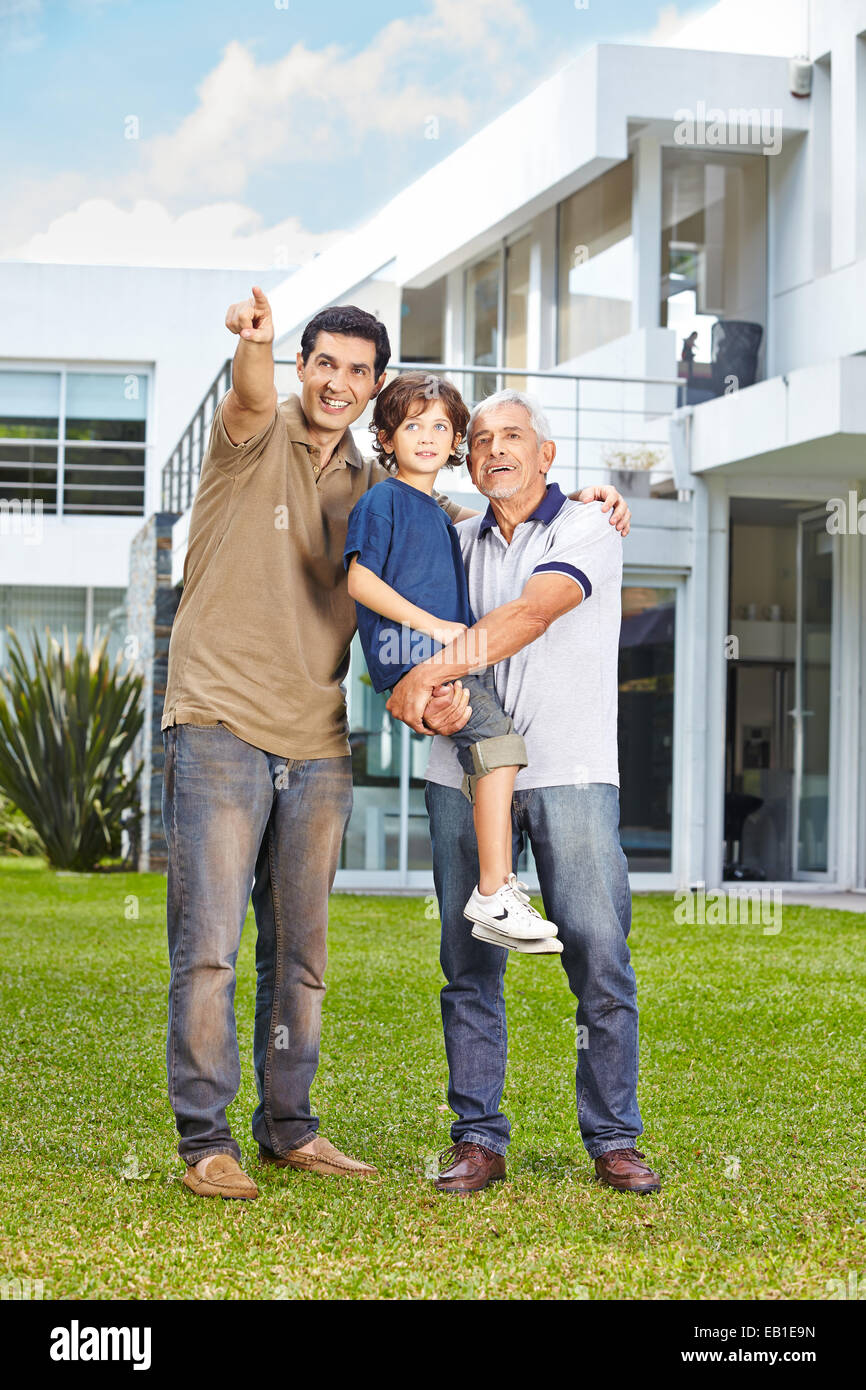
(239, 821)
(583, 877)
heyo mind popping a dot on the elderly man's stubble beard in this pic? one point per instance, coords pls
(499, 490)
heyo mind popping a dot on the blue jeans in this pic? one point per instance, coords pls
(239, 821)
(583, 876)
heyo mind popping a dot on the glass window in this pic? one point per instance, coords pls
(516, 308)
(595, 268)
(109, 616)
(646, 726)
(30, 609)
(105, 405)
(422, 324)
(28, 473)
(103, 480)
(29, 405)
(372, 840)
(482, 320)
(713, 247)
(29, 410)
(104, 410)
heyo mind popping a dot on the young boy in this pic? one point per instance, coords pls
(407, 578)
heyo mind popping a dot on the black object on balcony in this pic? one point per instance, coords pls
(734, 354)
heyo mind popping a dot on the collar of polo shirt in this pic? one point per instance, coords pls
(546, 510)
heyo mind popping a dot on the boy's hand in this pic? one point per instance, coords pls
(447, 632)
(251, 318)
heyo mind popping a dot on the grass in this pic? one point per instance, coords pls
(751, 1092)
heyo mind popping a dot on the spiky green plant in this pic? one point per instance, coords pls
(68, 722)
(17, 836)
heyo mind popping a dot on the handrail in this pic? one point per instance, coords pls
(482, 369)
(181, 471)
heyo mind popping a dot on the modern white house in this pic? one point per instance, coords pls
(667, 246)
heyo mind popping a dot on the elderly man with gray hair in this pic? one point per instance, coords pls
(546, 573)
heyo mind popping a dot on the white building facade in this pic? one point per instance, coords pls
(667, 246)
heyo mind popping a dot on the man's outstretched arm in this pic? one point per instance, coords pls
(501, 633)
(252, 400)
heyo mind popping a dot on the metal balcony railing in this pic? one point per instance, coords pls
(180, 474)
(606, 428)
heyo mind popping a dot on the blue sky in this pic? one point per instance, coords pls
(262, 129)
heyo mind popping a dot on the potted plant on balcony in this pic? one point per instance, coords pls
(631, 465)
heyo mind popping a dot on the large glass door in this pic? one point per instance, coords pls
(811, 714)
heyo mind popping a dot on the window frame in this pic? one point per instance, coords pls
(64, 369)
(558, 277)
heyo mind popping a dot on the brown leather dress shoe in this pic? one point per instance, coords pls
(622, 1169)
(468, 1168)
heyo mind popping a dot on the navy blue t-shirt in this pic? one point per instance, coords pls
(407, 539)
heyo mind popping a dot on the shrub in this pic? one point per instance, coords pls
(17, 835)
(68, 723)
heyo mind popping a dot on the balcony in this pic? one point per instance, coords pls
(606, 428)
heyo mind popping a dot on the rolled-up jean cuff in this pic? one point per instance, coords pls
(506, 750)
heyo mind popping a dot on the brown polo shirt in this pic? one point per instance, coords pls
(261, 638)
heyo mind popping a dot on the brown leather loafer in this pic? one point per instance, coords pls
(320, 1157)
(223, 1177)
(468, 1168)
(623, 1169)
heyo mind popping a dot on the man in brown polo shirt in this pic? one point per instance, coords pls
(258, 784)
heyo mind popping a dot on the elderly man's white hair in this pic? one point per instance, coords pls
(537, 418)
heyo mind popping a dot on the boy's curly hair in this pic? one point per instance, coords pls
(395, 402)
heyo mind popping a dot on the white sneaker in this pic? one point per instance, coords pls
(549, 946)
(509, 912)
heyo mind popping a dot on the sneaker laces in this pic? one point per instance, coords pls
(521, 893)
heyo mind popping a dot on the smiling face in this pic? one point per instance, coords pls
(505, 457)
(338, 380)
(424, 441)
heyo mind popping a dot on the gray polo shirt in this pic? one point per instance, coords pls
(561, 689)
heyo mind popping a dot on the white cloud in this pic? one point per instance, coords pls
(321, 104)
(219, 235)
(184, 202)
(668, 23)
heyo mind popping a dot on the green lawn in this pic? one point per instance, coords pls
(751, 1091)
